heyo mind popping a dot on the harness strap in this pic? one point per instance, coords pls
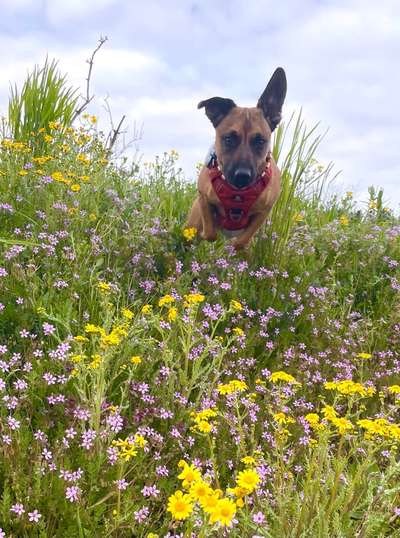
(236, 203)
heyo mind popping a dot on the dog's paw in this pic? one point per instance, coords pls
(240, 245)
(209, 236)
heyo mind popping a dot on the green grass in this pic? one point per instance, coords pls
(44, 98)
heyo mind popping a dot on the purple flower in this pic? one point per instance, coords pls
(141, 515)
(72, 493)
(121, 484)
(34, 516)
(88, 438)
(150, 491)
(48, 329)
(18, 509)
(258, 518)
(13, 423)
(115, 422)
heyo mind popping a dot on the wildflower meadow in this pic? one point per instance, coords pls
(153, 385)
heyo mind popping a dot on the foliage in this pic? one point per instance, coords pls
(45, 99)
(136, 362)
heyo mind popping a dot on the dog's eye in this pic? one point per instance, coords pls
(259, 141)
(230, 140)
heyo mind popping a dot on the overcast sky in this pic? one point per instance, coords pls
(342, 60)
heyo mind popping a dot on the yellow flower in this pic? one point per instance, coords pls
(152, 535)
(281, 418)
(189, 474)
(193, 298)
(236, 306)
(248, 460)
(237, 491)
(236, 385)
(204, 426)
(91, 328)
(75, 187)
(364, 355)
(238, 331)
(111, 339)
(349, 195)
(314, 422)
(180, 505)
(299, 217)
(48, 138)
(344, 221)
(189, 233)
(248, 480)
(136, 359)
(348, 387)
(80, 338)
(172, 313)
(329, 412)
(223, 512)
(209, 502)
(93, 119)
(146, 309)
(83, 159)
(200, 489)
(103, 286)
(128, 314)
(140, 440)
(95, 362)
(342, 424)
(394, 389)
(380, 428)
(22, 173)
(167, 299)
(283, 376)
(127, 448)
(205, 414)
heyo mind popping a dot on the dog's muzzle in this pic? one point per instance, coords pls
(242, 177)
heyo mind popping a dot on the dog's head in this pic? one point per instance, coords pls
(243, 135)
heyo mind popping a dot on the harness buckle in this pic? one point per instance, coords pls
(235, 214)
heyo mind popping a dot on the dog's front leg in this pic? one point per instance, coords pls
(201, 217)
(209, 232)
(243, 240)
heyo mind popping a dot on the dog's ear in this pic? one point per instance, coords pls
(217, 108)
(272, 98)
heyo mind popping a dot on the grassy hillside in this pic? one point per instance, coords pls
(136, 362)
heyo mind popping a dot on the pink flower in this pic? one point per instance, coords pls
(34, 516)
(72, 493)
(258, 518)
(18, 509)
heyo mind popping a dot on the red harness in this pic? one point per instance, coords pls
(237, 203)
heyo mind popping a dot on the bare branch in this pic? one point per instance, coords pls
(115, 133)
(88, 97)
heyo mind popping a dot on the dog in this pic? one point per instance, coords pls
(240, 182)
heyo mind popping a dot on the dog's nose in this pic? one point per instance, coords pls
(242, 177)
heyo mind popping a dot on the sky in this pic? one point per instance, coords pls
(162, 57)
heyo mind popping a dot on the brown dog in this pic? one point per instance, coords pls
(240, 182)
